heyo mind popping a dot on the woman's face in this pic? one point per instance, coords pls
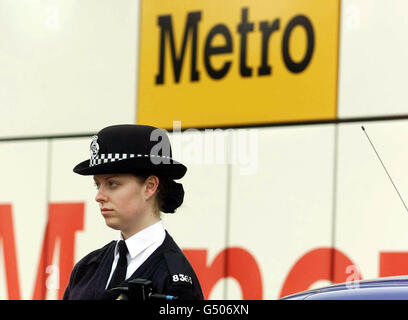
(121, 199)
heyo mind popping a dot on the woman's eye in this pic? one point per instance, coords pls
(112, 184)
(96, 185)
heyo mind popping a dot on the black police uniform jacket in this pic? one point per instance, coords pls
(167, 268)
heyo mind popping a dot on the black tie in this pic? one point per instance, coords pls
(120, 271)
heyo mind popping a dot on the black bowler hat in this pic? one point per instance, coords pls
(131, 148)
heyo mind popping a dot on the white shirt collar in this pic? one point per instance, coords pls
(143, 239)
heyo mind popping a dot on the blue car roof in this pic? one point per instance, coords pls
(388, 288)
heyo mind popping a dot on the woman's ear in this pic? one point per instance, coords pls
(150, 187)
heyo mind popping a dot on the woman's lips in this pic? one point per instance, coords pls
(105, 211)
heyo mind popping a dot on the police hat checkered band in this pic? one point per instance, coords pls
(112, 157)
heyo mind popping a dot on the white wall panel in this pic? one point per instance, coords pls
(373, 63)
(67, 66)
(23, 173)
(200, 222)
(284, 209)
(370, 216)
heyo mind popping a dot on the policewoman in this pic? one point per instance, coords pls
(134, 174)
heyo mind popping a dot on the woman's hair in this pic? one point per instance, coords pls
(169, 195)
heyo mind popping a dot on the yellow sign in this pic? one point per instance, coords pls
(210, 63)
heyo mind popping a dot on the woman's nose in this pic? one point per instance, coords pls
(100, 196)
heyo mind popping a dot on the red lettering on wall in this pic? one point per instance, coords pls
(393, 263)
(236, 263)
(9, 251)
(318, 264)
(63, 221)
